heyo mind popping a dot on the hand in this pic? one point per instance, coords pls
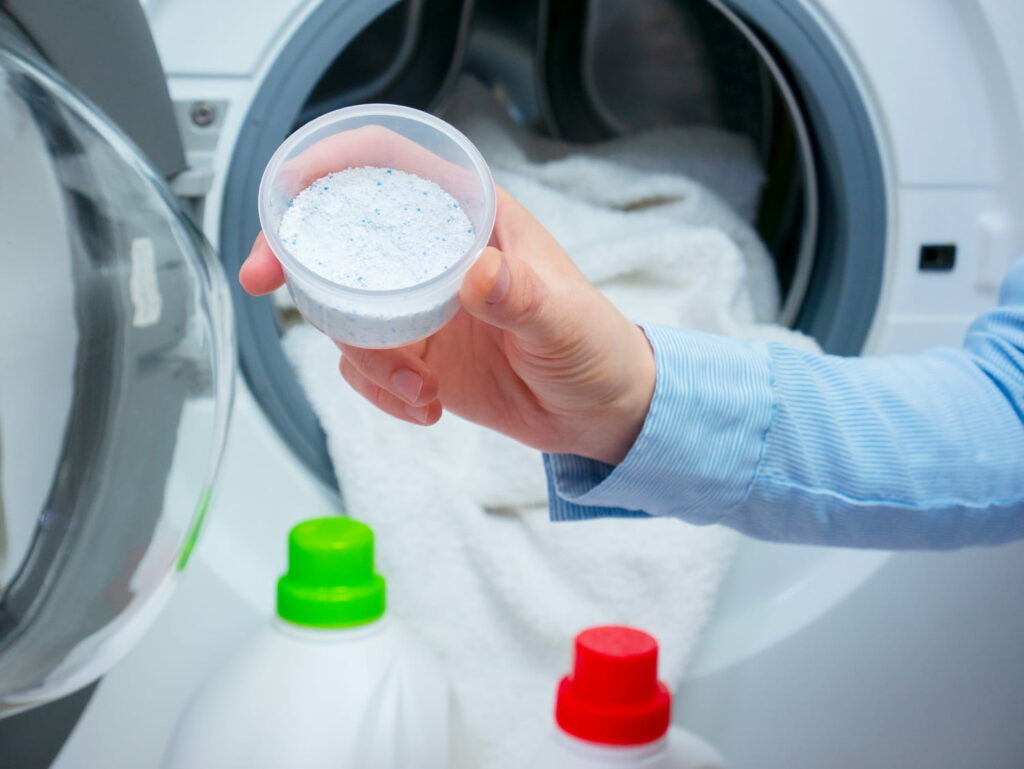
(536, 353)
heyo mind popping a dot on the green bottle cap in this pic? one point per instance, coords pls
(330, 581)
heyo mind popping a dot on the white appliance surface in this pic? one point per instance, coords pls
(813, 652)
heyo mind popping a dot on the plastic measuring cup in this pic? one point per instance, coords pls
(385, 136)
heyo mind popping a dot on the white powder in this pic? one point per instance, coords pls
(375, 228)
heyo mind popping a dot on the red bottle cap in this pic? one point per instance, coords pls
(613, 695)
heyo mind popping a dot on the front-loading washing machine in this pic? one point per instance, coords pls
(891, 134)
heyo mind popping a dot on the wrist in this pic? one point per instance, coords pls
(622, 421)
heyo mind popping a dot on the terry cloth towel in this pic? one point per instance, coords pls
(473, 564)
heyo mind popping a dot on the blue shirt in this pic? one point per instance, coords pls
(923, 451)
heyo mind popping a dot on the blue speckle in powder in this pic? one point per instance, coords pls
(326, 187)
(469, 229)
(379, 183)
(389, 170)
(419, 209)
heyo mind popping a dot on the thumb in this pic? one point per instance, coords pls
(506, 292)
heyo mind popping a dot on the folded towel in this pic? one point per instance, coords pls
(473, 563)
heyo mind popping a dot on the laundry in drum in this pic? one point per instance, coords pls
(376, 212)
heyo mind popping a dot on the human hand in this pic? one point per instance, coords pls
(536, 353)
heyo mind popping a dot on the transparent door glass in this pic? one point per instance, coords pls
(116, 360)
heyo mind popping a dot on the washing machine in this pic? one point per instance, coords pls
(892, 136)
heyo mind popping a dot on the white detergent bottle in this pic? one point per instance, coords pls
(613, 712)
(330, 683)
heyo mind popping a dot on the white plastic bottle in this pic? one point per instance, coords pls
(613, 712)
(331, 683)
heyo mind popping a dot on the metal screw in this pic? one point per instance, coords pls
(203, 113)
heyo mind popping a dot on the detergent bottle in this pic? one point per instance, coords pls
(331, 682)
(613, 712)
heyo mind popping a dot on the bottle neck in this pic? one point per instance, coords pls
(330, 634)
(628, 755)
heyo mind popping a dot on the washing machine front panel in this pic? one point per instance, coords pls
(948, 99)
(848, 151)
(785, 604)
(880, 203)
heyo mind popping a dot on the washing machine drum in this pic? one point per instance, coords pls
(115, 376)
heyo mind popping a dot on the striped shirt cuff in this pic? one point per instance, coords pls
(699, 450)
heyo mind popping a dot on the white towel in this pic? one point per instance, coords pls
(473, 563)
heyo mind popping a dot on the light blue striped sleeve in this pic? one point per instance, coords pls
(921, 451)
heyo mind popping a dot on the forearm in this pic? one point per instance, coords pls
(899, 452)
(922, 451)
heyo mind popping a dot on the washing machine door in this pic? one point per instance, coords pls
(116, 363)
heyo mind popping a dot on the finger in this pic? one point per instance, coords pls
(516, 230)
(387, 402)
(398, 371)
(261, 273)
(506, 292)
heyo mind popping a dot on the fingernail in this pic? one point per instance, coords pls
(417, 413)
(500, 287)
(408, 384)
